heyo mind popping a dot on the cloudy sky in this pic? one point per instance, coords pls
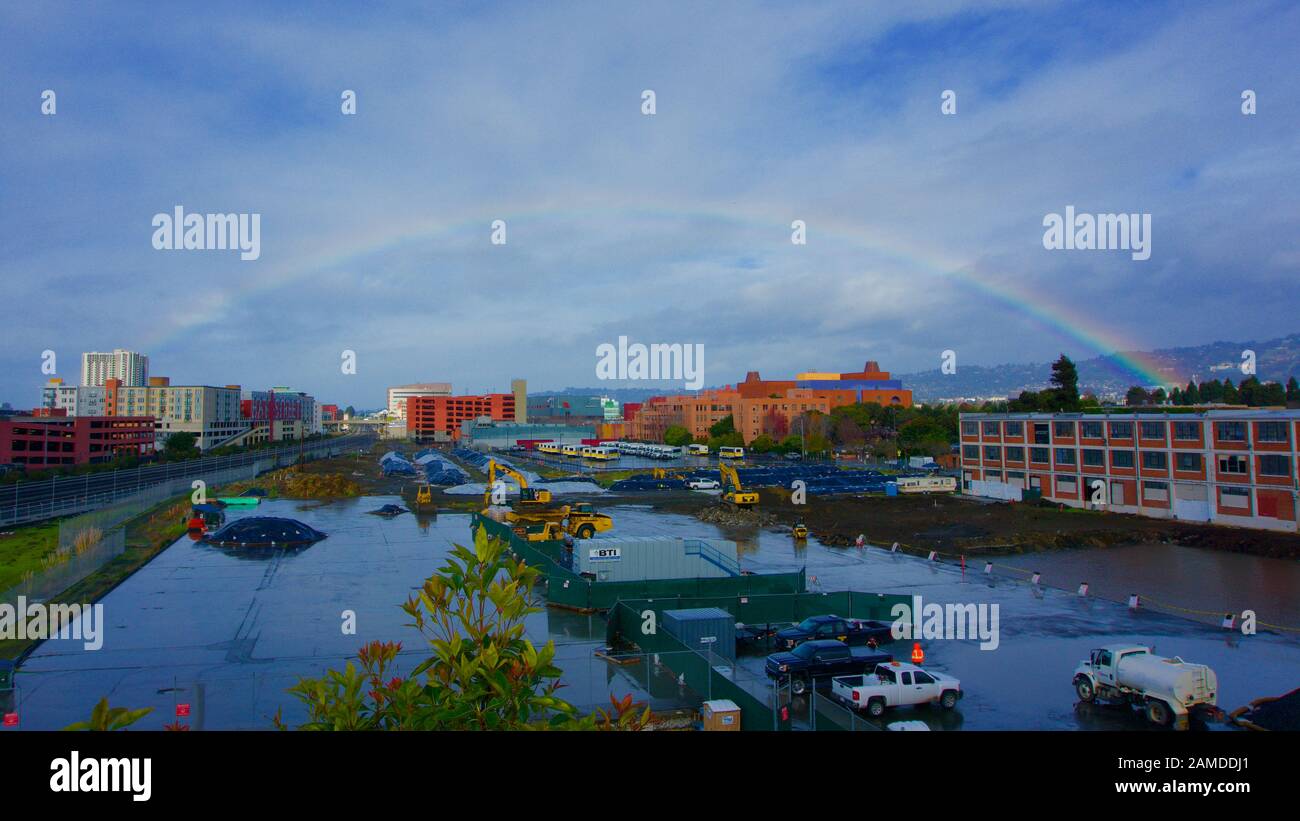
(924, 230)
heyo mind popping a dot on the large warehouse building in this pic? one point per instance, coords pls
(1229, 466)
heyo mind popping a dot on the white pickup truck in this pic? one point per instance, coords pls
(896, 684)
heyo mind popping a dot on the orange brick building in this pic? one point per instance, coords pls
(438, 418)
(756, 402)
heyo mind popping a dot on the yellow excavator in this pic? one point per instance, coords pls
(732, 491)
(535, 506)
(529, 498)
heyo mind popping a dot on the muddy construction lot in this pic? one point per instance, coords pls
(949, 524)
(957, 525)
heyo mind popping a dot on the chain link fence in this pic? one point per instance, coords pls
(24, 502)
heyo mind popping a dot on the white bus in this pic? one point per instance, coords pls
(926, 484)
(731, 453)
(548, 447)
(571, 450)
(600, 453)
(699, 450)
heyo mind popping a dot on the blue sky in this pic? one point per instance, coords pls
(666, 228)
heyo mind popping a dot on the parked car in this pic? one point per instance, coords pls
(896, 684)
(754, 634)
(814, 660)
(849, 631)
(703, 484)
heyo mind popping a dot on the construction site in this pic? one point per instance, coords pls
(682, 598)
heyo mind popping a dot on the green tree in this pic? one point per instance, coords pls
(1026, 402)
(677, 435)
(1190, 394)
(483, 674)
(791, 444)
(1249, 390)
(924, 437)
(1065, 385)
(1270, 393)
(181, 445)
(722, 427)
(1137, 396)
(1231, 396)
(1292, 390)
(762, 444)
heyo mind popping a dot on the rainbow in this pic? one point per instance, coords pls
(386, 237)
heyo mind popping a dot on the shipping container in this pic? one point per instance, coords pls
(641, 558)
(707, 630)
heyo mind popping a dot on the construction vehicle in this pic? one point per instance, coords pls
(1166, 689)
(662, 473)
(584, 522)
(580, 520)
(529, 498)
(539, 531)
(732, 491)
(420, 499)
(800, 531)
(536, 507)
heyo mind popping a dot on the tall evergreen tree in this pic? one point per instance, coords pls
(1292, 390)
(1231, 396)
(1190, 395)
(1065, 384)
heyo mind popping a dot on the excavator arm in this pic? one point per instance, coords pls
(538, 496)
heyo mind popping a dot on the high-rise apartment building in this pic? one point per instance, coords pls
(129, 367)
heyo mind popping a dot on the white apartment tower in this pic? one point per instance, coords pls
(130, 367)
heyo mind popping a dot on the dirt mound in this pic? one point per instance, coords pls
(294, 484)
(729, 516)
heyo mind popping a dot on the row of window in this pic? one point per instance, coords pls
(1272, 431)
(1270, 464)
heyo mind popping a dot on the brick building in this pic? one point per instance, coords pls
(1229, 466)
(49, 438)
(438, 418)
(760, 406)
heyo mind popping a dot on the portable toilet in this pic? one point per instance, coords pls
(720, 715)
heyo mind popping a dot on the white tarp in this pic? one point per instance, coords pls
(996, 490)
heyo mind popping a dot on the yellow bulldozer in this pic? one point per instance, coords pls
(732, 491)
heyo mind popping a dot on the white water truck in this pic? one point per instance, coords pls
(1167, 690)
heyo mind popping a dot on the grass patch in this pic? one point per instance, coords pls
(24, 551)
(146, 536)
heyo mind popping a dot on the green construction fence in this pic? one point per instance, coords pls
(565, 588)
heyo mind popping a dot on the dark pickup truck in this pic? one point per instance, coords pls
(849, 631)
(820, 659)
